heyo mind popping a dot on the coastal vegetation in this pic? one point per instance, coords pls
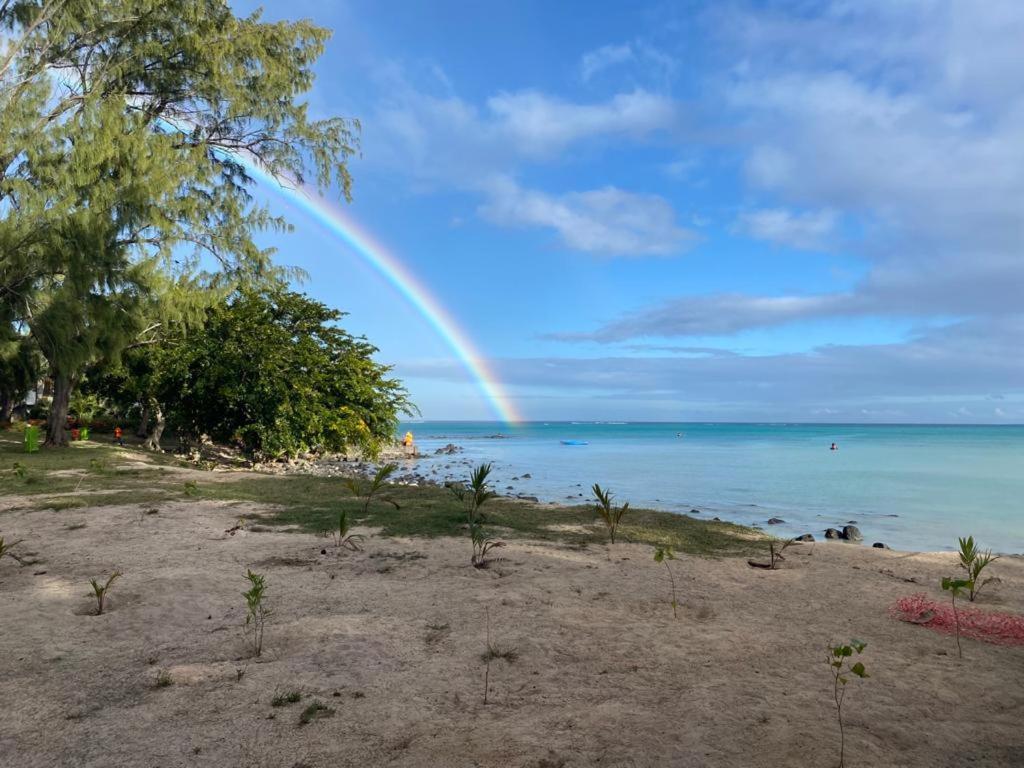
(974, 561)
(663, 555)
(955, 587)
(100, 590)
(256, 612)
(610, 515)
(473, 497)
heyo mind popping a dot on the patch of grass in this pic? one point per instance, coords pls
(315, 711)
(283, 699)
(71, 502)
(163, 679)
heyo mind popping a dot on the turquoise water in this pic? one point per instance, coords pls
(912, 487)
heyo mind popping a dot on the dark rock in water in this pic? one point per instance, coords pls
(527, 476)
(531, 498)
(852, 533)
(717, 519)
(880, 545)
(832, 533)
(851, 522)
(775, 521)
(448, 449)
(805, 537)
(516, 477)
(508, 488)
(694, 511)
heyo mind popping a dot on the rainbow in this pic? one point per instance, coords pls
(405, 283)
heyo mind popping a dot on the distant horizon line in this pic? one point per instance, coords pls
(613, 422)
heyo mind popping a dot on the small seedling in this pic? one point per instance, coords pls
(955, 587)
(191, 488)
(5, 549)
(474, 496)
(492, 652)
(838, 656)
(342, 537)
(663, 555)
(367, 489)
(163, 679)
(98, 466)
(256, 613)
(315, 710)
(101, 592)
(775, 549)
(20, 470)
(283, 699)
(610, 514)
(974, 561)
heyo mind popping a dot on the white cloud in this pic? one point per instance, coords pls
(606, 221)
(810, 230)
(604, 57)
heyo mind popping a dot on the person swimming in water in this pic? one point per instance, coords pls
(834, 447)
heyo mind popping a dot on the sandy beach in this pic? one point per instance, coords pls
(390, 640)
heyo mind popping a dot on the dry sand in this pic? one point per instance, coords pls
(391, 638)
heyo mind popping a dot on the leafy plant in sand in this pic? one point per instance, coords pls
(838, 659)
(100, 592)
(256, 613)
(366, 489)
(775, 549)
(609, 513)
(342, 537)
(955, 587)
(974, 561)
(474, 496)
(663, 555)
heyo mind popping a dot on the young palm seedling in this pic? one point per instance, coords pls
(955, 587)
(838, 660)
(5, 549)
(474, 496)
(663, 555)
(100, 592)
(368, 489)
(342, 537)
(610, 514)
(974, 561)
(256, 613)
(775, 549)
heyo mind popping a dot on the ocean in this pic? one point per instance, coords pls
(912, 487)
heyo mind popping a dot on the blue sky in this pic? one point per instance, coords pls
(669, 211)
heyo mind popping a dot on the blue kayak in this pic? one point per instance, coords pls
(575, 442)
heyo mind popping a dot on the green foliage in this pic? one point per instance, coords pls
(19, 470)
(256, 613)
(163, 679)
(839, 657)
(5, 549)
(473, 497)
(100, 592)
(283, 699)
(956, 587)
(663, 555)
(342, 537)
(271, 372)
(610, 514)
(127, 128)
(314, 711)
(974, 561)
(367, 489)
(191, 488)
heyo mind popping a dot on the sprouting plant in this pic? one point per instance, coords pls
(474, 496)
(191, 488)
(367, 489)
(316, 709)
(974, 561)
(5, 549)
(342, 537)
(610, 514)
(492, 652)
(283, 699)
(99, 466)
(481, 545)
(20, 470)
(163, 679)
(256, 613)
(955, 587)
(838, 656)
(663, 555)
(775, 549)
(101, 592)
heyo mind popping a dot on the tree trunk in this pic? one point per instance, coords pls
(6, 408)
(153, 441)
(57, 424)
(143, 429)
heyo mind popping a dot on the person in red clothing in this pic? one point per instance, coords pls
(118, 436)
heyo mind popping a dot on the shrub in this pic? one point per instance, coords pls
(101, 592)
(283, 699)
(610, 514)
(256, 613)
(838, 657)
(974, 561)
